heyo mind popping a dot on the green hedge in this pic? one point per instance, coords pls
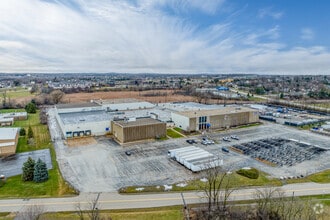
(249, 173)
(2, 182)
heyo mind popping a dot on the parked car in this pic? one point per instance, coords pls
(234, 137)
(225, 149)
(191, 141)
(128, 153)
(226, 139)
(207, 142)
(204, 142)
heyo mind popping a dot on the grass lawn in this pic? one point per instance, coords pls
(236, 181)
(173, 134)
(161, 213)
(41, 134)
(323, 105)
(16, 93)
(321, 177)
(256, 99)
(12, 110)
(247, 126)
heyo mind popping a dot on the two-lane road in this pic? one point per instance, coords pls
(116, 201)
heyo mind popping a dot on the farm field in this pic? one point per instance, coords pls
(154, 96)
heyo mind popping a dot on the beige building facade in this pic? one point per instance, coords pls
(215, 118)
(137, 129)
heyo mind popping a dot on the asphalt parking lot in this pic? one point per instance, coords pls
(12, 166)
(104, 167)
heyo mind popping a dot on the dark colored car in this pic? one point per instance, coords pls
(191, 141)
(225, 150)
(226, 139)
(128, 153)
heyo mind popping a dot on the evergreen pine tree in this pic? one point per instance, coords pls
(28, 170)
(22, 132)
(30, 132)
(40, 172)
(31, 108)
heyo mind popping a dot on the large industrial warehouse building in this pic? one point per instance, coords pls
(94, 118)
(138, 129)
(8, 141)
(100, 117)
(86, 119)
(214, 118)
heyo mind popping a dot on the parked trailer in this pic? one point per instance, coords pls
(206, 165)
(194, 158)
(182, 158)
(185, 153)
(172, 153)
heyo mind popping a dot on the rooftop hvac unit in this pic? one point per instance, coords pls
(131, 119)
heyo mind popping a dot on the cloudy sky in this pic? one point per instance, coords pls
(165, 36)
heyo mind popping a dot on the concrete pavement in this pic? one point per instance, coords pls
(117, 201)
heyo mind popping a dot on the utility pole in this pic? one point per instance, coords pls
(186, 210)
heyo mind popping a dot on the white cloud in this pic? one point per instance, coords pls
(307, 34)
(121, 36)
(269, 12)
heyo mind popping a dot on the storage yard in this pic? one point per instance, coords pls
(114, 169)
(279, 151)
(195, 158)
(289, 116)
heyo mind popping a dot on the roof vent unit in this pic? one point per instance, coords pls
(131, 119)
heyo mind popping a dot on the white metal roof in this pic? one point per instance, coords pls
(195, 158)
(7, 144)
(8, 133)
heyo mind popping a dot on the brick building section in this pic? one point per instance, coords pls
(138, 129)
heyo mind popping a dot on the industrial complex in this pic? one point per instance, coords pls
(131, 120)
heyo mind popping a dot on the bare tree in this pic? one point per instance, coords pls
(31, 212)
(273, 204)
(92, 210)
(217, 191)
(56, 96)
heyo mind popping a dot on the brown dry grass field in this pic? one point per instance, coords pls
(164, 96)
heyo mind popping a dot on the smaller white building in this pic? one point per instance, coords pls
(195, 158)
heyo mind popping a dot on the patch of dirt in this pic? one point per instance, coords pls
(84, 141)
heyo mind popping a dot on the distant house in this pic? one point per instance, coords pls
(8, 141)
(222, 88)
